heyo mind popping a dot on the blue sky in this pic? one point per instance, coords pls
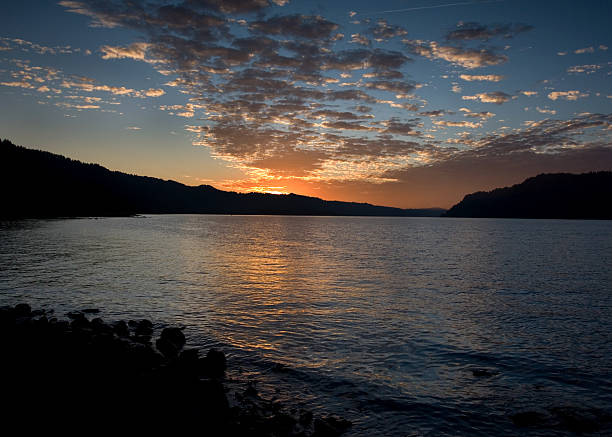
(404, 103)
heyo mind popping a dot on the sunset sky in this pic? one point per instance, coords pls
(408, 103)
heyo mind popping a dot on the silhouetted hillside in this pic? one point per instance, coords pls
(559, 195)
(42, 184)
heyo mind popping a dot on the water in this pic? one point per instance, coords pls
(380, 320)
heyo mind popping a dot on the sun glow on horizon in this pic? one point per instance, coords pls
(267, 190)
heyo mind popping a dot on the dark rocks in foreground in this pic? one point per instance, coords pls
(91, 376)
(559, 196)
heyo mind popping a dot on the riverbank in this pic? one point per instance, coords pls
(85, 372)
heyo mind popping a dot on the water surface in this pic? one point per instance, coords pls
(380, 320)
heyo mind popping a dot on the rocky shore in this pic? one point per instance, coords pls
(83, 373)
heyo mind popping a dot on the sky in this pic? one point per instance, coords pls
(406, 103)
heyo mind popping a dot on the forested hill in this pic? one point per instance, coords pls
(558, 195)
(43, 184)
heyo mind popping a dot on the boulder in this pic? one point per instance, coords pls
(175, 335)
(22, 310)
(91, 310)
(214, 364)
(121, 328)
(167, 348)
(143, 328)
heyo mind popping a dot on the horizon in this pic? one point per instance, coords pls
(411, 105)
(326, 200)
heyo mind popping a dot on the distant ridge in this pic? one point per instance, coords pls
(556, 195)
(43, 184)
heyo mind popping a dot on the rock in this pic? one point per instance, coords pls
(79, 321)
(189, 357)
(143, 327)
(167, 348)
(91, 310)
(251, 391)
(75, 315)
(330, 426)
(22, 310)
(170, 342)
(99, 326)
(283, 424)
(143, 357)
(175, 335)
(213, 396)
(121, 328)
(216, 363)
(306, 418)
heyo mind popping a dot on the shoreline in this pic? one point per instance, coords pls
(84, 371)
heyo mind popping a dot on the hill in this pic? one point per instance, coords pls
(43, 184)
(558, 195)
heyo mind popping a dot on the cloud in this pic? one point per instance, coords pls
(359, 39)
(529, 93)
(436, 113)
(465, 57)
(28, 46)
(482, 115)
(463, 124)
(152, 92)
(285, 98)
(383, 31)
(491, 161)
(584, 50)
(135, 51)
(91, 86)
(391, 86)
(476, 31)
(18, 84)
(76, 106)
(588, 69)
(545, 111)
(567, 95)
(497, 97)
(485, 77)
(303, 26)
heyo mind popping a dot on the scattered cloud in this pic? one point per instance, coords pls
(588, 69)
(567, 95)
(545, 111)
(584, 50)
(484, 77)
(19, 84)
(135, 51)
(359, 39)
(497, 97)
(463, 124)
(464, 57)
(476, 31)
(286, 97)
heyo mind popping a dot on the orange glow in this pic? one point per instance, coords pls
(267, 190)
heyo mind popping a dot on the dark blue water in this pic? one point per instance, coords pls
(406, 326)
